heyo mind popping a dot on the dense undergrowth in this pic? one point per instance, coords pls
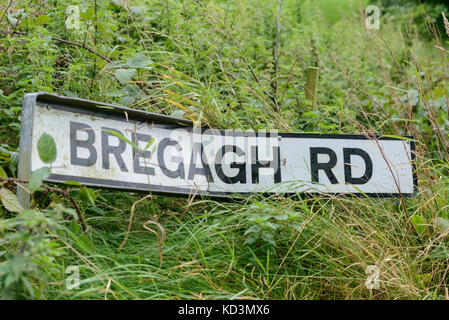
(222, 63)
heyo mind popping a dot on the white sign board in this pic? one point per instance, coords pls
(109, 146)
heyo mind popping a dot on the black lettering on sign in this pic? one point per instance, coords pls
(241, 175)
(347, 153)
(139, 154)
(325, 166)
(163, 145)
(86, 144)
(256, 164)
(198, 150)
(106, 149)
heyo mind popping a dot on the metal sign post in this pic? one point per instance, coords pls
(103, 145)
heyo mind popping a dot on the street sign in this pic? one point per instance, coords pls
(103, 145)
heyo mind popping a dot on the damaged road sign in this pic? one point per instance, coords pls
(103, 145)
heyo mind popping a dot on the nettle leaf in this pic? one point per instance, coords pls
(269, 237)
(73, 227)
(17, 265)
(281, 217)
(442, 223)
(89, 14)
(139, 61)
(178, 113)
(132, 92)
(42, 19)
(420, 224)
(96, 210)
(124, 75)
(137, 10)
(85, 243)
(88, 196)
(46, 147)
(441, 252)
(10, 201)
(116, 65)
(37, 177)
(126, 101)
(12, 21)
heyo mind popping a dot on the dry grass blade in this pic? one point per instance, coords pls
(446, 23)
(161, 237)
(131, 215)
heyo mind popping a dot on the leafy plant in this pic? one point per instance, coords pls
(30, 251)
(420, 224)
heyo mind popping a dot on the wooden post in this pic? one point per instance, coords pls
(312, 85)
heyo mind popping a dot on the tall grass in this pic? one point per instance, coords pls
(214, 62)
(321, 250)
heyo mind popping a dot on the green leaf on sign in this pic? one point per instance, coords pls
(104, 107)
(46, 147)
(398, 137)
(10, 201)
(150, 142)
(37, 177)
(124, 75)
(121, 137)
(420, 224)
(72, 183)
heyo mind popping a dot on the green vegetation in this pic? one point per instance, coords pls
(221, 62)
